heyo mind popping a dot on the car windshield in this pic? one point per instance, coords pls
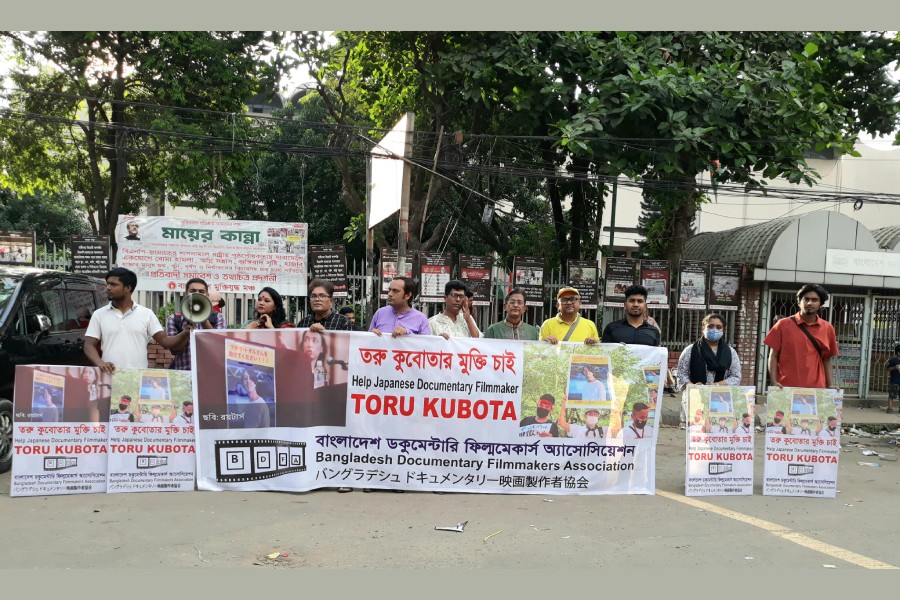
(8, 285)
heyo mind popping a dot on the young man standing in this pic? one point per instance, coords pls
(634, 328)
(399, 317)
(513, 328)
(802, 345)
(567, 325)
(893, 368)
(122, 329)
(456, 320)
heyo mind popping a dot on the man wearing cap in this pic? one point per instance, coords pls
(567, 325)
(187, 414)
(804, 428)
(745, 427)
(540, 425)
(591, 429)
(634, 328)
(122, 414)
(722, 426)
(777, 424)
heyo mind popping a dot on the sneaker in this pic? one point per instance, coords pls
(344, 490)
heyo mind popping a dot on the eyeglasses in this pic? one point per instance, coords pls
(458, 296)
(319, 296)
(515, 303)
(569, 300)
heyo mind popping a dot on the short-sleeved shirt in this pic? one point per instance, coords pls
(124, 336)
(386, 319)
(895, 375)
(558, 328)
(799, 365)
(531, 427)
(505, 331)
(441, 323)
(623, 332)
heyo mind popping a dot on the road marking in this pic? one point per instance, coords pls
(784, 533)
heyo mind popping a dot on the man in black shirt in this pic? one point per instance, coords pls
(541, 424)
(633, 329)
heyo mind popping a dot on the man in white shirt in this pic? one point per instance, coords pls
(456, 320)
(118, 333)
(187, 414)
(804, 428)
(745, 427)
(831, 431)
(155, 415)
(722, 426)
(638, 428)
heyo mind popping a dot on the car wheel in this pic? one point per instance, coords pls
(6, 430)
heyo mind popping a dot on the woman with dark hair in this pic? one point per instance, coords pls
(314, 347)
(270, 312)
(709, 360)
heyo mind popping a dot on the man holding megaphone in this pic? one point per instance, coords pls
(196, 311)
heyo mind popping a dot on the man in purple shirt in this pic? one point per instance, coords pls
(399, 317)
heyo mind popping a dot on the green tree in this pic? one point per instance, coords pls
(53, 216)
(746, 106)
(92, 112)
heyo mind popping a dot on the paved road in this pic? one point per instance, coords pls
(857, 530)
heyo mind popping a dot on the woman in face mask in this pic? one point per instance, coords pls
(709, 360)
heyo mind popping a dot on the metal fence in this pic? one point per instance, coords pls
(679, 327)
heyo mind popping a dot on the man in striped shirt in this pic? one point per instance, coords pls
(323, 315)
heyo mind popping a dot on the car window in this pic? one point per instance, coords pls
(45, 298)
(80, 305)
(8, 285)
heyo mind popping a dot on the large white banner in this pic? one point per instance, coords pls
(233, 256)
(719, 440)
(803, 441)
(295, 410)
(79, 431)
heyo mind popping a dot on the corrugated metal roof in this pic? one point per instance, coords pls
(750, 244)
(887, 237)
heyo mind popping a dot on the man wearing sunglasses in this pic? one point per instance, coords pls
(568, 325)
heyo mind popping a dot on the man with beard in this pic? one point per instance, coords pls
(777, 424)
(399, 317)
(831, 430)
(698, 425)
(122, 414)
(540, 425)
(187, 414)
(634, 328)
(567, 325)
(638, 428)
(513, 327)
(745, 427)
(802, 345)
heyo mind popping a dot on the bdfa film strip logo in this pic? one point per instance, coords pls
(798, 469)
(718, 468)
(252, 460)
(58, 463)
(146, 461)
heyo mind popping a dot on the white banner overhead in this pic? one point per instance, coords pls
(233, 256)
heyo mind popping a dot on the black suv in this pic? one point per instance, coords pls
(43, 318)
